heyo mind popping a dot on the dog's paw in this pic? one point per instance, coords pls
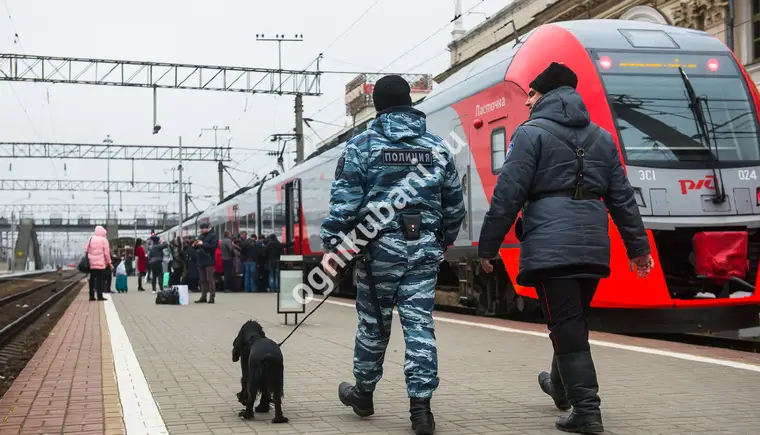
(244, 415)
(280, 419)
(262, 408)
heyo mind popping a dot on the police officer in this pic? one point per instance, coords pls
(558, 166)
(397, 181)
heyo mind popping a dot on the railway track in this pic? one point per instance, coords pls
(12, 284)
(26, 318)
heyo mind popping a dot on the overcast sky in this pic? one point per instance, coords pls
(200, 32)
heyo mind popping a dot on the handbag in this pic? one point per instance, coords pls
(84, 263)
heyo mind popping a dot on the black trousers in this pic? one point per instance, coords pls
(107, 279)
(175, 277)
(566, 303)
(229, 275)
(96, 283)
(157, 274)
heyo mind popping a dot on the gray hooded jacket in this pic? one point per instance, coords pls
(559, 232)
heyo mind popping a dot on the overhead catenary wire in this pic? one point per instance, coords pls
(407, 52)
(17, 40)
(329, 46)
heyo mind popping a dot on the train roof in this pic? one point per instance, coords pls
(642, 35)
(491, 69)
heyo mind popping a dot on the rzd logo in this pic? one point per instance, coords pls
(706, 183)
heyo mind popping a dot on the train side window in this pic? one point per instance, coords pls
(498, 149)
(279, 216)
(266, 219)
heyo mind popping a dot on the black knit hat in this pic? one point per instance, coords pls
(391, 91)
(553, 77)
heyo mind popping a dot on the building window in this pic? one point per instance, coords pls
(756, 30)
(499, 148)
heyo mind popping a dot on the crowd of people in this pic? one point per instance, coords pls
(206, 263)
(202, 264)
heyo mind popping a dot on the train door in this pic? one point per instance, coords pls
(463, 162)
(293, 224)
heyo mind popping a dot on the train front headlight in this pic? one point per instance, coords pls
(640, 196)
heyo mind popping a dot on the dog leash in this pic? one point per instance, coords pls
(336, 284)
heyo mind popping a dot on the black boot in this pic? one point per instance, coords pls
(422, 419)
(551, 384)
(360, 401)
(579, 376)
(202, 300)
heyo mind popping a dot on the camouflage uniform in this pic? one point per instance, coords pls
(397, 164)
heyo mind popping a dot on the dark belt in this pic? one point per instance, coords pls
(569, 193)
(366, 258)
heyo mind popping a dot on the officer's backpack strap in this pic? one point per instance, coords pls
(580, 151)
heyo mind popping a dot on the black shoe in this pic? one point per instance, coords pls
(422, 419)
(202, 300)
(102, 299)
(579, 376)
(93, 299)
(211, 299)
(361, 402)
(551, 384)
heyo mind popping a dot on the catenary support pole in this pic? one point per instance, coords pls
(299, 129)
(180, 183)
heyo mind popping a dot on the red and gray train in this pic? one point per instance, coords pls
(684, 114)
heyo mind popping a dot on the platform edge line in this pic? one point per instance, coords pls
(139, 408)
(638, 349)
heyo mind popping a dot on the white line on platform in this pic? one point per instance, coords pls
(141, 415)
(646, 350)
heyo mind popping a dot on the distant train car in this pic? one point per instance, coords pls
(691, 174)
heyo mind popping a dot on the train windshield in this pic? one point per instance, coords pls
(653, 114)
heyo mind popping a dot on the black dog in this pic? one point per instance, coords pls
(263, 371)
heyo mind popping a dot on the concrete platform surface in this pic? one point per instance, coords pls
(488, 376)
(129, 366)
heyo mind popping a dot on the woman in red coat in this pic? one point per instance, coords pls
(142, 263)
(219, 266)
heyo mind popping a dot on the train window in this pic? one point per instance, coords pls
(498, 149)
(655, 123)
(266, 220)
(279, 216)
(755, 30)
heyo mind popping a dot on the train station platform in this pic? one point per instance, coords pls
(130, 366)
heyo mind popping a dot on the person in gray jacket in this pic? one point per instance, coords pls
(155, 262)
(558, 168)
(227, 249)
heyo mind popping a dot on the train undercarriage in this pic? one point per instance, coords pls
(464, 287)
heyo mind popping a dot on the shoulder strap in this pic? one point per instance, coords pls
(579, 152)
(547, 127)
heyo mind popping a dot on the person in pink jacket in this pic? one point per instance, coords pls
(99, 253)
